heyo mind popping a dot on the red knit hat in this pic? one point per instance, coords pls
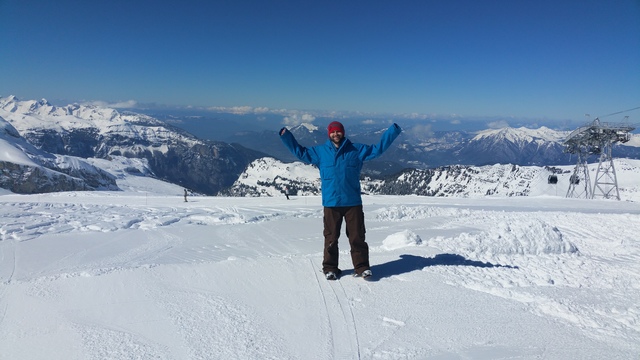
(335, 126)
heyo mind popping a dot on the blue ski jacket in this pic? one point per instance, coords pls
(340, 167)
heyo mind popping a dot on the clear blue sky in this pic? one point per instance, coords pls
(554, 59)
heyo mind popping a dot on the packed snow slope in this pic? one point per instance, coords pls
(141, 274)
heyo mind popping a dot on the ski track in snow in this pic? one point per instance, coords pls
(342, 323)
(577, 269)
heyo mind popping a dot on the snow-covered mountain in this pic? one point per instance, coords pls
(269, 177)
(68, 139)
(26, 169)
(522, 135)
(97, 132)
(521, 146)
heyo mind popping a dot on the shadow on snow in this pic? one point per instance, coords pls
(408, 263)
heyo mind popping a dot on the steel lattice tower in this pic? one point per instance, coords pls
(577, 190)
(596, 139)
(606, 182)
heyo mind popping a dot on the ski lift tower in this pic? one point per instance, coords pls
(595, 139)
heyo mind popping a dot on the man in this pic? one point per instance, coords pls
(340, 162)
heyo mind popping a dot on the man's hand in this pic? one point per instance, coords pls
(282, 131)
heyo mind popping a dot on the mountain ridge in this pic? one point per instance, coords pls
(65, 135)
(91, 131)
(270, 177)
(26, 169)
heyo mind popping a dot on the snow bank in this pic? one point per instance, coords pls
(400, 240)
(404, 212)
(533, 237)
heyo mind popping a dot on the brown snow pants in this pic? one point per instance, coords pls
(354, 218)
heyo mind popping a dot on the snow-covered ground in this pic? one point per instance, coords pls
(140, 274)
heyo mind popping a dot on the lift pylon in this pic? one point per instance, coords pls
(577, 188)
(606, 182)
(596, 139)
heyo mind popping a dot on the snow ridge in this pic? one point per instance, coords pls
(522, 135)
(269, 177)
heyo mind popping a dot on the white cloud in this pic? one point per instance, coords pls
(217, 108)
(237, 110)
(422, 131)
(499, 124)
(261, 110)
(416, 116)
(116, 105)
(240, 110)
(297, 119)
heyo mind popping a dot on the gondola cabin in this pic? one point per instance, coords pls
(574, 179)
